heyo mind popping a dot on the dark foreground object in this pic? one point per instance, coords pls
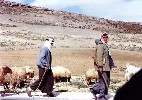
(132, 90)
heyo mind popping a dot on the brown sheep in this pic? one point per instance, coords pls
(19, 75)
(4, 70)
(91, 74)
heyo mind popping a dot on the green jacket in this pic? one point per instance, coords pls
(102, 55)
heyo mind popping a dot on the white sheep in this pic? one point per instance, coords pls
(130, 71)
(61, 74)
(91, 75)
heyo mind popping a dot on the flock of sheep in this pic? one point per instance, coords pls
(130, 70)
(17, 77)
(14, 77)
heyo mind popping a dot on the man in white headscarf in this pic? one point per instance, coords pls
(103, 63)
(46, 80)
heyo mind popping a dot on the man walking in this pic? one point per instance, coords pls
(103, 63)
(46, 80)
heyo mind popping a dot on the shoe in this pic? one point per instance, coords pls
(51, 95)
(28, 92)
(102, 97)
(94, 93)
(45, 96)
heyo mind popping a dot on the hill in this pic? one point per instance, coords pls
(23, 29)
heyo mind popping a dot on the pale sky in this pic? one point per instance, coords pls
(116, 10)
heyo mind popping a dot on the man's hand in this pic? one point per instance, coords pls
(101, 69)
(46, 68)
(93, 57)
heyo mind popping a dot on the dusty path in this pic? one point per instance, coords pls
(59, 96)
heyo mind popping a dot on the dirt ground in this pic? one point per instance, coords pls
(77, 60)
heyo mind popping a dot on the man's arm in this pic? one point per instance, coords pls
(43, 57)
(99, 56)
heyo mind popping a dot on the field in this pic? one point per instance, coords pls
(77, 60)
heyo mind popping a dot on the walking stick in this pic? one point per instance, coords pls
(101, 74)
(40, 81)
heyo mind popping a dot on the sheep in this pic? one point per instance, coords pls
(91, 74)
(130, 71)
(61, 74)
(29, 72)
(4, 70)
(68, 74)
(19, 76)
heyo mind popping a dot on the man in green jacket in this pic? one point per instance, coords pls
(103, 63)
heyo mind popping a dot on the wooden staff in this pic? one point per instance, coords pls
(41, 80)
(100, 72)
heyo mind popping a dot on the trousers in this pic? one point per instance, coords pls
(100, 87)
(47, 82)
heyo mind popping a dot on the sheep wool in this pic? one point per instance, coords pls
(61, 74)
(91, 74)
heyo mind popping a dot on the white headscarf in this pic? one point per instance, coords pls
(48, 43)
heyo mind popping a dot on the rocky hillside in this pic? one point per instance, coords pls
(24, 27)
(65, 19)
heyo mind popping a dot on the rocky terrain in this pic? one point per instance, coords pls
(14, 15)
(23, 29)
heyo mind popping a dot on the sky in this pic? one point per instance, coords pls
(116, 10)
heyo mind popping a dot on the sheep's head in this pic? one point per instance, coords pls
(29, 69)
(29, 72)
(7, 70)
